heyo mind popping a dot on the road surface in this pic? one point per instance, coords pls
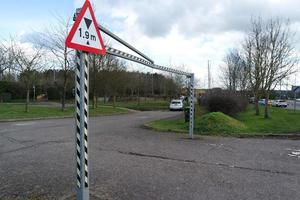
(132, 163)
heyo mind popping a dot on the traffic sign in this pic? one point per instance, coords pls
(85, 34)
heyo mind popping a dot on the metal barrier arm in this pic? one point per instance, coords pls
(111, 34)
(108, 32)
(121, 54)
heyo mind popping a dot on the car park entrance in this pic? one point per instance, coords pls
(85, 37)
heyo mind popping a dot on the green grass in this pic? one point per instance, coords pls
(281, 121)
(174, 125)
(208, 124)
(144, 105)
(17, 111)
(218, 123)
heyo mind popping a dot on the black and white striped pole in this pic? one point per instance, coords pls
(191, 99)
(85, 37)
(81, 107)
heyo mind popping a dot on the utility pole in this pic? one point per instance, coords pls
(295, 101)
(33, 87)
(152, 85)
(209, 75)
(280, 92)
(54, 78)
(295, 95)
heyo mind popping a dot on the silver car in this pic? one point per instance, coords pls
(279, 103)
(176, 104)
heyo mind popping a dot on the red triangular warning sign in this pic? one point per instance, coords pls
(85, 34)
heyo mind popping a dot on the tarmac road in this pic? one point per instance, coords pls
(132, 163)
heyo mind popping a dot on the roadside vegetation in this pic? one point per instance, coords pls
(144, 104)
(261, 62)
(14, 111)
(46, 73)
(282, 121)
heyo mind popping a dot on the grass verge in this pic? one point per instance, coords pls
(246, 124)
(280, 121)
(9, 111)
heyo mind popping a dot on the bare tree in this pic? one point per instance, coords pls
(97, 63)
(254, 49)
(269, 57)
(53, 39)
(27, 63)
(3, 61)
(6, 58)
(234, 73)
(278, 58)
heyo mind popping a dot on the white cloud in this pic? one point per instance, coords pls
(188, 32)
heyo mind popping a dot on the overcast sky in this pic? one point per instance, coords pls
(172, 32)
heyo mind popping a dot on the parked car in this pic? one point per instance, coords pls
(261, 102)
(279, 103)
(176, 104)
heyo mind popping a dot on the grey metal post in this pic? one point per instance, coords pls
(295, 101)
(33, 92)
(81, 107)
(191, 125)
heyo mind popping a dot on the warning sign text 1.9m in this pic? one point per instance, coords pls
(86, 35)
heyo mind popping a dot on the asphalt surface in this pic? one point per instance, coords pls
(132, 163)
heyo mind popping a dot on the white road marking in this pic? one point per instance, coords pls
(294, 153)
(144, 117)
(24, 124)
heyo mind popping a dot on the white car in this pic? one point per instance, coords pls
(279, 103)
(176, 104)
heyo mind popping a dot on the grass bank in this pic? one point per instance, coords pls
(11, 111)
(281, 121)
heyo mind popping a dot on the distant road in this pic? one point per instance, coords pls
(291, 105)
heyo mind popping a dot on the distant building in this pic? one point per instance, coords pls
(198, 92)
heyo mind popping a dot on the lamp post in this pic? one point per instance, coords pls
(33, 87)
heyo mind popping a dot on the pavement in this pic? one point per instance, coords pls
(129, 162)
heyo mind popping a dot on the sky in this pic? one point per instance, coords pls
(181, 34)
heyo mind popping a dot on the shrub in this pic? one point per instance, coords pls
(217, 122)
(14, 90)
(223, 101)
